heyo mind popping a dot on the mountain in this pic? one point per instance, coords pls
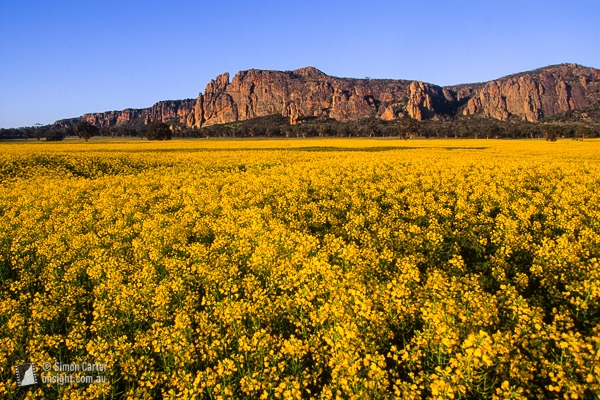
(308, 92)
(537, 94)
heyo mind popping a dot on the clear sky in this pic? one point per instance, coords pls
(60, 59)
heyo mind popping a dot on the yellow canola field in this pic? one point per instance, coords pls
(355, 269)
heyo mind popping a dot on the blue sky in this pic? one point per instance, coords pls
(60, 59)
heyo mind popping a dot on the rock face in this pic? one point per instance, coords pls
(181, 110)
(308, 92)
(305, 92)
(537, 94)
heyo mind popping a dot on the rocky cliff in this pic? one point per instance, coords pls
(305, 92)
(181, 111)
(308, 92)
(537, 94)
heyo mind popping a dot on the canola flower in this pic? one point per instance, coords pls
(303, 269)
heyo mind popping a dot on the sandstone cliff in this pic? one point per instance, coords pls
(182, 111)
(537, 94)
(308, 92)
(305, 92)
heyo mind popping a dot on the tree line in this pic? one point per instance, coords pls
(278, 126)
(85, 130)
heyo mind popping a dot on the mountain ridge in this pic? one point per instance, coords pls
(309, 92)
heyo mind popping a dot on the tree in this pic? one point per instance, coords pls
(581, 132)
(491, 130)
(158, 131)
(273, 131)
(552, 132)
(55, 135)
(85, 130)
(408, 127)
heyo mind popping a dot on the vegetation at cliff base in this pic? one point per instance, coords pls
(572, 125)
(85, 130)
(246, 269)
(158, 131)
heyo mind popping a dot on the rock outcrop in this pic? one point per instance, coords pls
(533, 95)
(308, 92)
(182, 111)
(305, 92)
